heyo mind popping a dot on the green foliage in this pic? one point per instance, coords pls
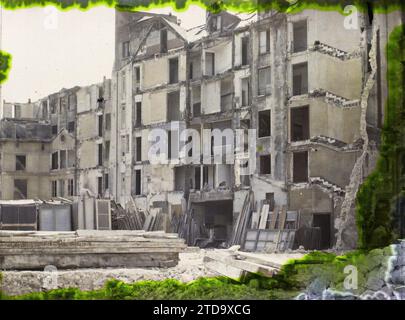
(5, 66)
(378, 197)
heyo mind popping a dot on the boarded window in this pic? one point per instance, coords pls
(55, 160)
(216, 23)
(20, 189)
(174, 70)
(264, 81)
(62, 159)
(300, 36)
(103, 214)
(125, 49)
(173, 106)
(210, 63)
(20, 162)
(245, 50)
(300, 167)
(300, 123)
(264, 42)
(300, 79)
(138, 149)
(137, 182)
(265, 164)
(264, 123)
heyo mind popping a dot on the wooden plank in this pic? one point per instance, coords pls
(274, 219)
(282, 218)
(264, 216)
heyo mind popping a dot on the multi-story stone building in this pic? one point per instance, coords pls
(57, 146)
(310, 85)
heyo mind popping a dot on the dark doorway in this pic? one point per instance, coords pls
(300, 167)
(300, 123)
(322, 221)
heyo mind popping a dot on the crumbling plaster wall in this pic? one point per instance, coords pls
(329, 120)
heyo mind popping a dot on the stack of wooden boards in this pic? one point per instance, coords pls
(237, 264)
(30, 250)
(134, 219)
(271, 231)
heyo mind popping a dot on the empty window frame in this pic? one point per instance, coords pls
(17, 111)
(264, 42)
(54, 188)
(108, 121)
(55, 129)
(106, 181)
(173, 70)
(123, 85)
(61, 188)
(71, 160)
(265, 164)
(264, 118)
(245, 50)
(71, 126)
(245, 92)
(196, 100)
(299, 123)
(54, 161)
(20, 189)
(300, 36)
(163, 41)
(100, 155)
(138, 182)
(300, 79)
(173, 106)
(100, 190)
(138, 142)
(100, 125)
(107, 151)
(226, 94)
(210, 63)
(216, 23)
(138, 114)
(71, 190)
(264, 78)
(137, 78)
(62, 159)
(300, 167)
(20, 162)
(125, 49)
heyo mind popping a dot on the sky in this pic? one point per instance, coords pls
(52, 49)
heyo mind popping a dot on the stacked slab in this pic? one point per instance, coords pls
(26, 250)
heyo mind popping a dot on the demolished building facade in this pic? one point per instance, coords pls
(300, 80)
